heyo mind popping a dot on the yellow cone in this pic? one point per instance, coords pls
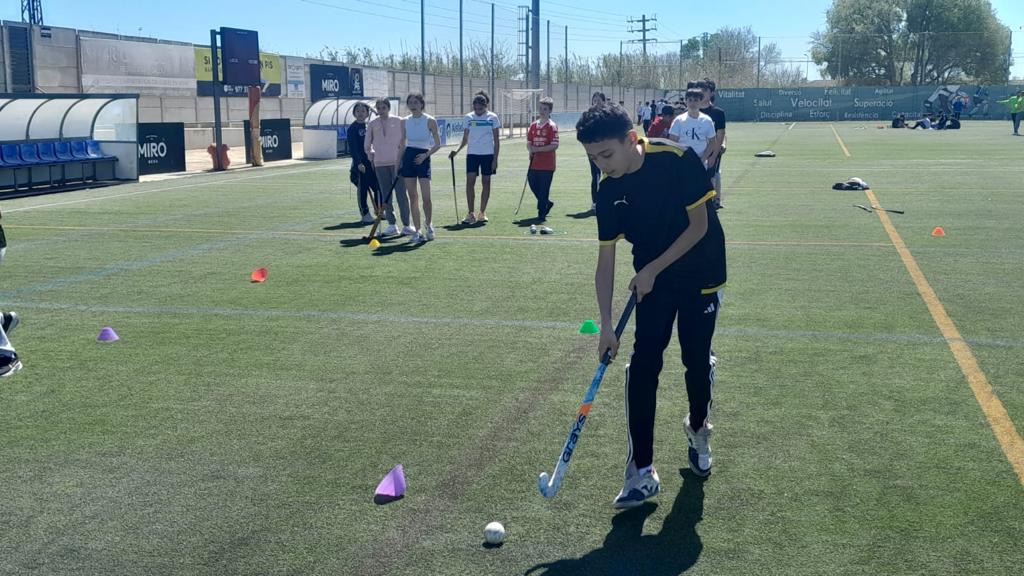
(374, 243)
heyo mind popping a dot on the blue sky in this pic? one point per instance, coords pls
(300, 27)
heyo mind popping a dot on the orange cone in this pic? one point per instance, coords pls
(938, 232)
(259, 275)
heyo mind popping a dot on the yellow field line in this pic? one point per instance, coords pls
(1005, 431)
(846, 151)
(352, 235)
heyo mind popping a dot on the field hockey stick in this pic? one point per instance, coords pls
(380, 207)
(549, 484)
(862, 207)
(527, 181)
(455, 195)
(888, 210)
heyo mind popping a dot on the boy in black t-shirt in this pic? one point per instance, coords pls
(655, 195)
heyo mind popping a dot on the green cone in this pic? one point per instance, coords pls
(589, 327)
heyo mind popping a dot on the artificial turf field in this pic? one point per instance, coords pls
(241, 428)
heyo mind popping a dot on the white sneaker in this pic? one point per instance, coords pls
(699, 451)
(391, 230)
(417, 238)
(469, 219)
(408, 231)
(430, 232)
(637, 489)
(368, 218)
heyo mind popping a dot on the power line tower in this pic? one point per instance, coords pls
(643, 30)
(32, 12)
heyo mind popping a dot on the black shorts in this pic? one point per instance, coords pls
(715, 168)
(480, 164)
(410, 169)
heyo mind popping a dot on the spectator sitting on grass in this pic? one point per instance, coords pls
(925, 122)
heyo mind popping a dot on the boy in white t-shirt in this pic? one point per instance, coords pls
(481, 133)
(694, 129)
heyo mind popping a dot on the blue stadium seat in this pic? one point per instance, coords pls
(30, 154)
(95, 153)
(79, 151)
(48, 153)
(10, 155)
(63, 152)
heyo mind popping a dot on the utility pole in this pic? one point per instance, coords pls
(462, 71)
(566, 79)
(492, 49)
(535, 48)
(549, 59)
(679, 83)
(644, 29)
(758, 62)
(423, 49)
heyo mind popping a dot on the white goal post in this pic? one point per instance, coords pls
(519, 107)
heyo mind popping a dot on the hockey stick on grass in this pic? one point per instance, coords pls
(549, 484)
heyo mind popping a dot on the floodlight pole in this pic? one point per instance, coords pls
(758, 59)
(217, 137)
(566, 81)
(462, 71)
(535, 48)
(423, 49)
(492, 51)
(549, 59)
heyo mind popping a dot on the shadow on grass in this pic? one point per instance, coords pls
(582, 215)
(353, 242)
(365, 241)
(347, 225)
(527, 222)
(627, 550)
(381, 499)
(387, 249)
(462, 226)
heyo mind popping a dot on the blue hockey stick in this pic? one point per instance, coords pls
(549, 484)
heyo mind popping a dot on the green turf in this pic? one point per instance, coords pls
(240, 428)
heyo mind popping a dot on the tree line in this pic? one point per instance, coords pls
(864, 42)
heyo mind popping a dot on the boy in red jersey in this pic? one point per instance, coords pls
(541, 142)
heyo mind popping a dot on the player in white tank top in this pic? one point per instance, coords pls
(420, 139)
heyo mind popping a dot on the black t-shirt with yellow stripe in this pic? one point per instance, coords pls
(649, 209)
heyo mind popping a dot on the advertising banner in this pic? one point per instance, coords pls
(295, 77)
(149, 68)
(355, 76)
(864, 103)
(450, 129)
(275, 138)
(329, 82)
(161, 147)
(270, 75)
